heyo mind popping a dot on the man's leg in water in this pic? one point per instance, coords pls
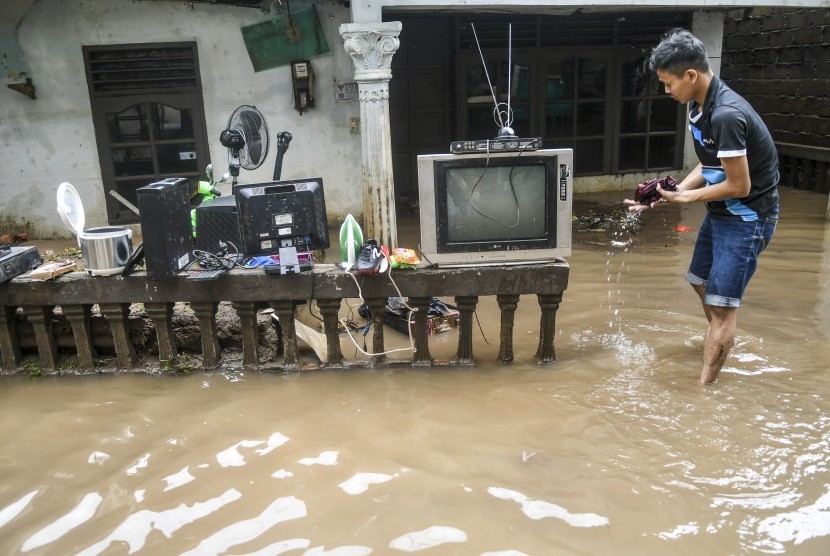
(719, 339)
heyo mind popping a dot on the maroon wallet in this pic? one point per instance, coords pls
(646, 193)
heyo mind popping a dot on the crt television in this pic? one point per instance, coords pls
(278, 214)
(495, 208)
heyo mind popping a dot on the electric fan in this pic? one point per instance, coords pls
(246, 139)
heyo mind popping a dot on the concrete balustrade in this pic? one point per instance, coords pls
(250, 291)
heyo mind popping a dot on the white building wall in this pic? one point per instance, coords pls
(49, 140)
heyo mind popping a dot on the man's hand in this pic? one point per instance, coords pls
(678, 196)
(649, 193)
(634, 206)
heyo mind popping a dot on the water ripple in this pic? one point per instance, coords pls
(137, 527)
(797, 526)
(540, 509)
(232, 457)
(428, 538)
(13, 510)
(328, 457)
(281, 509)
(359, 482)
(77, 516)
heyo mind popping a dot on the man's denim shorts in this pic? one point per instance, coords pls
(726, 256)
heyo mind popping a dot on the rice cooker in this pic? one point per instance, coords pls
(106, 249)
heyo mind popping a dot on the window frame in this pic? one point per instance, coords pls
(620, 45)
(183, 94)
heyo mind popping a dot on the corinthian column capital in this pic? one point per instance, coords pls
(371, 46)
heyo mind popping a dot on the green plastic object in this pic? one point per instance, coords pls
(208, 192)
(351, 240)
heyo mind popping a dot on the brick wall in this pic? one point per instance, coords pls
(779, 60)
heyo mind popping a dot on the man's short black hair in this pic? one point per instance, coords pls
(678, 51)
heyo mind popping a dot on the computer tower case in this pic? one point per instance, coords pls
(165, 227)
(217, 222)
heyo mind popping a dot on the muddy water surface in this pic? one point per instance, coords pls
(613, 450)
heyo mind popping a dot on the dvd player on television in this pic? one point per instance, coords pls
(499, 144)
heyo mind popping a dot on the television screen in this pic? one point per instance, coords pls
(282, 214)
(483, 204)
(495, 208)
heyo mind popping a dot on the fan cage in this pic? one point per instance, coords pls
(250, 121)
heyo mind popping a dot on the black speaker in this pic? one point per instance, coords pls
(166, 228)
(217, 221)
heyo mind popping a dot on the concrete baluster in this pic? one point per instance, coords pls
(507, 304)
(466, 309)
(421, 357)
(9, 344)
(329, 308)
(41, 318)
(285, 311)
(78, 317)
(206, 313)
(377, 306)
(547, 328)
(247, 313)
(117, 315)
(162, 315)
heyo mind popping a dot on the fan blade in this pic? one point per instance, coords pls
(255, 152)
(252, 122)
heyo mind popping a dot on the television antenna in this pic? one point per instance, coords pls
(502, 112)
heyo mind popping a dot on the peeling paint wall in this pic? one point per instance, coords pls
(49, 140)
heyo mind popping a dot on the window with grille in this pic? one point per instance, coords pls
(148, 115)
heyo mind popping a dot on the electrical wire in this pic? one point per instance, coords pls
(512, 189)
(412, 310)
(223, 260)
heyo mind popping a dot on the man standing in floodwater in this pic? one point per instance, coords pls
(737, 178)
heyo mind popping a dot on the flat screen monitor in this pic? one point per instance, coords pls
(277, 214)
(495, 208)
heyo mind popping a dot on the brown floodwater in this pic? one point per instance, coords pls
(614, 449)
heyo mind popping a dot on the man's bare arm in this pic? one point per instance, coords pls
(735, 186)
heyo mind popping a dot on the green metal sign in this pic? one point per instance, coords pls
(276, 42)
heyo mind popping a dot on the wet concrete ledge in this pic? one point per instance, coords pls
(249, 290)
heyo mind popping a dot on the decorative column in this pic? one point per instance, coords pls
(371, 46)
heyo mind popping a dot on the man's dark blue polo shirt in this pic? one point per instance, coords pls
(728, 126)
